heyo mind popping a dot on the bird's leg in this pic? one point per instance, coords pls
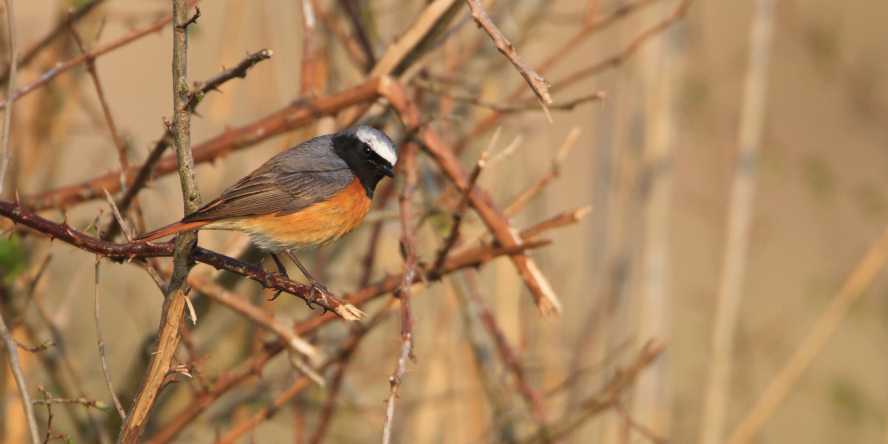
(315, 285)
(282, 271)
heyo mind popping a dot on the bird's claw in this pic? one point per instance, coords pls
(268, 276)
(317, 288)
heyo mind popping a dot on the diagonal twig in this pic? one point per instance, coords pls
(538, 84)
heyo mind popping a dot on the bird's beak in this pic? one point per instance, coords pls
(385, 170)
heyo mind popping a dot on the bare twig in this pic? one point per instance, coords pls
(493, 217)
(523, 198)
(106, 110)
(7, 117)
(58, 30)
(538, 84)
(107, 374)
(237, 71)
(606, 398)
(559, 220)
(451, 238)
(650, 435)
(193, 19)
(814, 341)
(410, 262)
(173, 308)
(506, 108)
(354, 48)
(120, 252)
(295, 115)
(76, 61)
(618, 59)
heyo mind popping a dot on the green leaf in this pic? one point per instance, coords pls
(199, 96)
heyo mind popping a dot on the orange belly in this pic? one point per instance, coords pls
(310, 228)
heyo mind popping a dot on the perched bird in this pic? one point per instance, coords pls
(303, 198)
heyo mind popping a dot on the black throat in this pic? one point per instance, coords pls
(349, 148)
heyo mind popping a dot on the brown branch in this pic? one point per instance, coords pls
(173, 311)
(507, 354)
(620, 57)
(61, 26)
(298, 385)
(411, 260)
(493, 217)
(123, 252)
(471, 258)
(650, 435)
(76, 61)
(506, 108)
(538, 84)
(295, 115)
(106, 110)
(196, 95)
(354, 49)
(7, 116)
(606, 398)
(354, 14)
(557, 221)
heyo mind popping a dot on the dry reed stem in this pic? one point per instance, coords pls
(19, 375)
(76, 61)
(7, 116)
(11, 345)
(538, 84)
(740, 216)
(811, 346)
(308, 49)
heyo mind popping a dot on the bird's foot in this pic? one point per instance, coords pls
(317, 288)
(269, 275)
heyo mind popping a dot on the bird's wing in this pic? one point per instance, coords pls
(287, 183)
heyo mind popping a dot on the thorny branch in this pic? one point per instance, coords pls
(408, 243)
(196, 95)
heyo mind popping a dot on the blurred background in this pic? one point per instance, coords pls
(733, 195)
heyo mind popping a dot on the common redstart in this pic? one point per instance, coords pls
(303, 198)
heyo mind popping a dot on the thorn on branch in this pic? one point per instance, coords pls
(193, 19)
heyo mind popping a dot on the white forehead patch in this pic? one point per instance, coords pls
(379, 142)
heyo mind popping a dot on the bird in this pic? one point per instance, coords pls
(303, 198)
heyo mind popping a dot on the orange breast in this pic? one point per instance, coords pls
(317, 225)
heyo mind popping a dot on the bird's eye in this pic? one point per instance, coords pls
(367, 150)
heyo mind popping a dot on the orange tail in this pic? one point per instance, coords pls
(177, 227)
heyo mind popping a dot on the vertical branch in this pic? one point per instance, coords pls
(16, 366)
(410, 262)
(102, 341)
(308, 49)
(730, 293)
(10, 90)
(174, 304)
